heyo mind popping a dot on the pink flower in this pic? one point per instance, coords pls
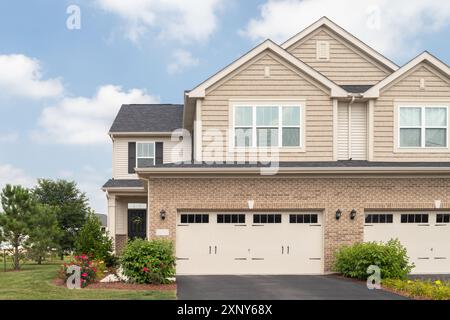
(83, 257)
(84, 274)
(145, 269)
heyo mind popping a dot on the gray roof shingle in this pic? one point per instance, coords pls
(123, 183)
(148, 118)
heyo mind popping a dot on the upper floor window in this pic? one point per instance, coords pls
(423, 126)
(267, 126)
(145, 154)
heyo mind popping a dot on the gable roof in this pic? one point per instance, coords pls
(148, 118)
(199, 91)
(374, 92)
(324, 21)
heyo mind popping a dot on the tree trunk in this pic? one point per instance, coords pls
(16, 257)
(39, 260)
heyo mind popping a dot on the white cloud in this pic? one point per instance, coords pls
(9, 137)
(22, 76)
(176, 19)
(180, 60)
(10, 174)
(83, 120)
(389, 26)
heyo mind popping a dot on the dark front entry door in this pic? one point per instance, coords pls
(137, 224)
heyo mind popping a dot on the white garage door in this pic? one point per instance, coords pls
(249, 243)
(425, 235)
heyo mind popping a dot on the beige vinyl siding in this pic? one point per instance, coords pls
(284, 82)
(120, 154)
(437, 88)
(347, 64)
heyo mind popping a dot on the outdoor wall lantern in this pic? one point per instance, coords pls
(162, 214)
(250, 203)
(352, 214)
(338, 214)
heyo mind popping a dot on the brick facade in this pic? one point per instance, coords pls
(120, 242)
(297, 193)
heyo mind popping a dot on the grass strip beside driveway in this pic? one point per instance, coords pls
(35, 282)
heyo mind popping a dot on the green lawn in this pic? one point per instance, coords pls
(35, 282)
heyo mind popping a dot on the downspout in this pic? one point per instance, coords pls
(352, 100)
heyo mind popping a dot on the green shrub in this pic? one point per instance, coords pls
(390, 257)
(148, 261)
(92, 241)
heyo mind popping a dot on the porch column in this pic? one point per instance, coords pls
(112, 218)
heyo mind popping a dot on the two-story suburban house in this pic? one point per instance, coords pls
(287, 154)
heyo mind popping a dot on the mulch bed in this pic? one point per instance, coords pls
(122, 286)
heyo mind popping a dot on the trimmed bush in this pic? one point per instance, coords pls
(146, 261)
(391, 258)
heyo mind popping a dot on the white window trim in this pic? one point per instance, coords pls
(154, 151)
(267, 103)
(422, 149)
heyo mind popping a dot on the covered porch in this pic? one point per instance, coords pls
(127, 213)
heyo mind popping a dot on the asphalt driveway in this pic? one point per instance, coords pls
(283, 287)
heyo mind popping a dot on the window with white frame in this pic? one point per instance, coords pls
(267, 126)
(145, 154)
(423, 126)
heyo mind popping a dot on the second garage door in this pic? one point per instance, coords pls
(426, 236)
(249, 243)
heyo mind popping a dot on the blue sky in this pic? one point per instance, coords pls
(56, 82)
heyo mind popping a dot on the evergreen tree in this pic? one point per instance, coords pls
(92, 241)
(18, 206)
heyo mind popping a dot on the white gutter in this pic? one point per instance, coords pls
(294, 170)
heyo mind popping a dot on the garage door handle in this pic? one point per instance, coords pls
(282, 249)
(215, 249)
(288, 250)
(209, 249)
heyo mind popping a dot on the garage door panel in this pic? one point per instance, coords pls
(259, 243)
(427, 242)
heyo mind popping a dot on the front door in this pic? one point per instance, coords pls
(137, 224)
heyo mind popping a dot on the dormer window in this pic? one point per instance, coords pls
(323, 50)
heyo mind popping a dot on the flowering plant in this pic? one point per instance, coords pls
(88, 269)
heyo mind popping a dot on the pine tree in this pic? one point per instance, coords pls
(18, 206)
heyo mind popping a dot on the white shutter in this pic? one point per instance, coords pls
(352, 132)
(343, 130)
(358, 135)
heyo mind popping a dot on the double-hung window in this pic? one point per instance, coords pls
(423, 126)
(274, 125)
(145, 154)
